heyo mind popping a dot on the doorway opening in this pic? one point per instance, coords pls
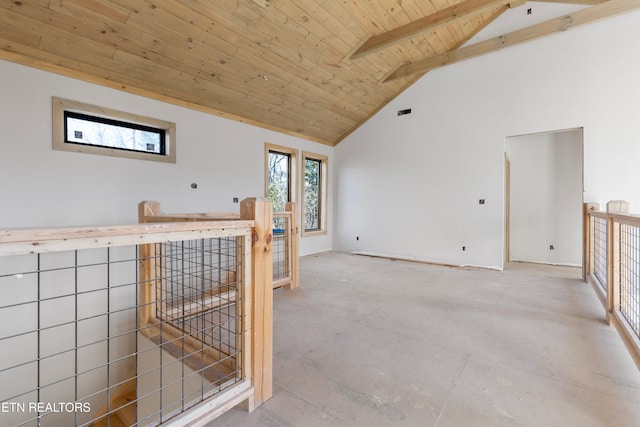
(544, 197)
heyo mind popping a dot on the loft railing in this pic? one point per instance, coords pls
(136, 325)
(285, 236)
(598, 252)
(616, 280)
(285, 248)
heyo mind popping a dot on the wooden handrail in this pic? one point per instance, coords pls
(282, 214)
(598, 214)
(193, 217)
(27, 241)
(622, 218)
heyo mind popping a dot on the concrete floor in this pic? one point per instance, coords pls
(375, 342)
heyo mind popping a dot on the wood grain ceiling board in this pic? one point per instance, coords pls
(280, 64)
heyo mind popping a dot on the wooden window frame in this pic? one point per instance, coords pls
(324, 168)
(293, 171)
(59, 106)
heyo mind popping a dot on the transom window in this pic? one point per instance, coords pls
(91, 129)
(101, 132)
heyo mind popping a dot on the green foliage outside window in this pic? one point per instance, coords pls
(278, 169)
(312, 194)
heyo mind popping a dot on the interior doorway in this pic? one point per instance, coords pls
(544, 197)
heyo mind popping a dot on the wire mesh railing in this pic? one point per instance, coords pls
(281, 248)
(198, 323)
(90, 338)
(285, 235)
(612, 255)
(629, 269)
(599, 231)
(68, 333)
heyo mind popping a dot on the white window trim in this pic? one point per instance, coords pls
(59, 106)
(324, 169)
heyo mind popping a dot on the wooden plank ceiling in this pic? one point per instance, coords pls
(311, 68)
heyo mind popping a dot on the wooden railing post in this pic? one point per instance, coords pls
(147, 268)
(294, 234)
(588, 251)
(259, 210)
(146, 209)
(613, 256)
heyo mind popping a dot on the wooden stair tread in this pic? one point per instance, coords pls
(123, 412)
(126, 412)
(194, 358)
(115, 422)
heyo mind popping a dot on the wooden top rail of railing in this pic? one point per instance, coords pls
(598, 214)
(192, 217)
(29, 241)
(623, 218)
(282, 214)
(149, 212)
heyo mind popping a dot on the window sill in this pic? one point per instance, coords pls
(314, 233)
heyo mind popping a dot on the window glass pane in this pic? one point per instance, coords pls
(82, 129)
(279, 194)
(312, 194)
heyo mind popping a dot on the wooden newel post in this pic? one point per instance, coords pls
(613, 256)
(259, 210)
(294, 233)
(147, 267)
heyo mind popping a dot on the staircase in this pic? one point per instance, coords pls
(123, 402)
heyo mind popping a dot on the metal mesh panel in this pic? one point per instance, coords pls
(68, 335)
(72, 343)
(198, 276)
(281, 264)
(630, 275)
(599, 239)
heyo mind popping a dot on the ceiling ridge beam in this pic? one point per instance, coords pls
(563, 23)
(428, 23)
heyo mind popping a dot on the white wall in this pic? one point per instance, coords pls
(546, 197)
(40, 187)
(409, 186)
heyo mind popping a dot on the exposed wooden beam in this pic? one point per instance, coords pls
(428, 23)
(414, 78)
(581, 17)
(516, 3)
(584, 2)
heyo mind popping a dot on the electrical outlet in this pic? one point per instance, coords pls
(235, 200)
(357, 237)
(481, 201)
(464, 248)
(551, 248)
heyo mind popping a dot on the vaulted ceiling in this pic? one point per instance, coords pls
(311, 68)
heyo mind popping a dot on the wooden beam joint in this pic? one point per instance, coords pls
(581, 17)
(428, 23)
